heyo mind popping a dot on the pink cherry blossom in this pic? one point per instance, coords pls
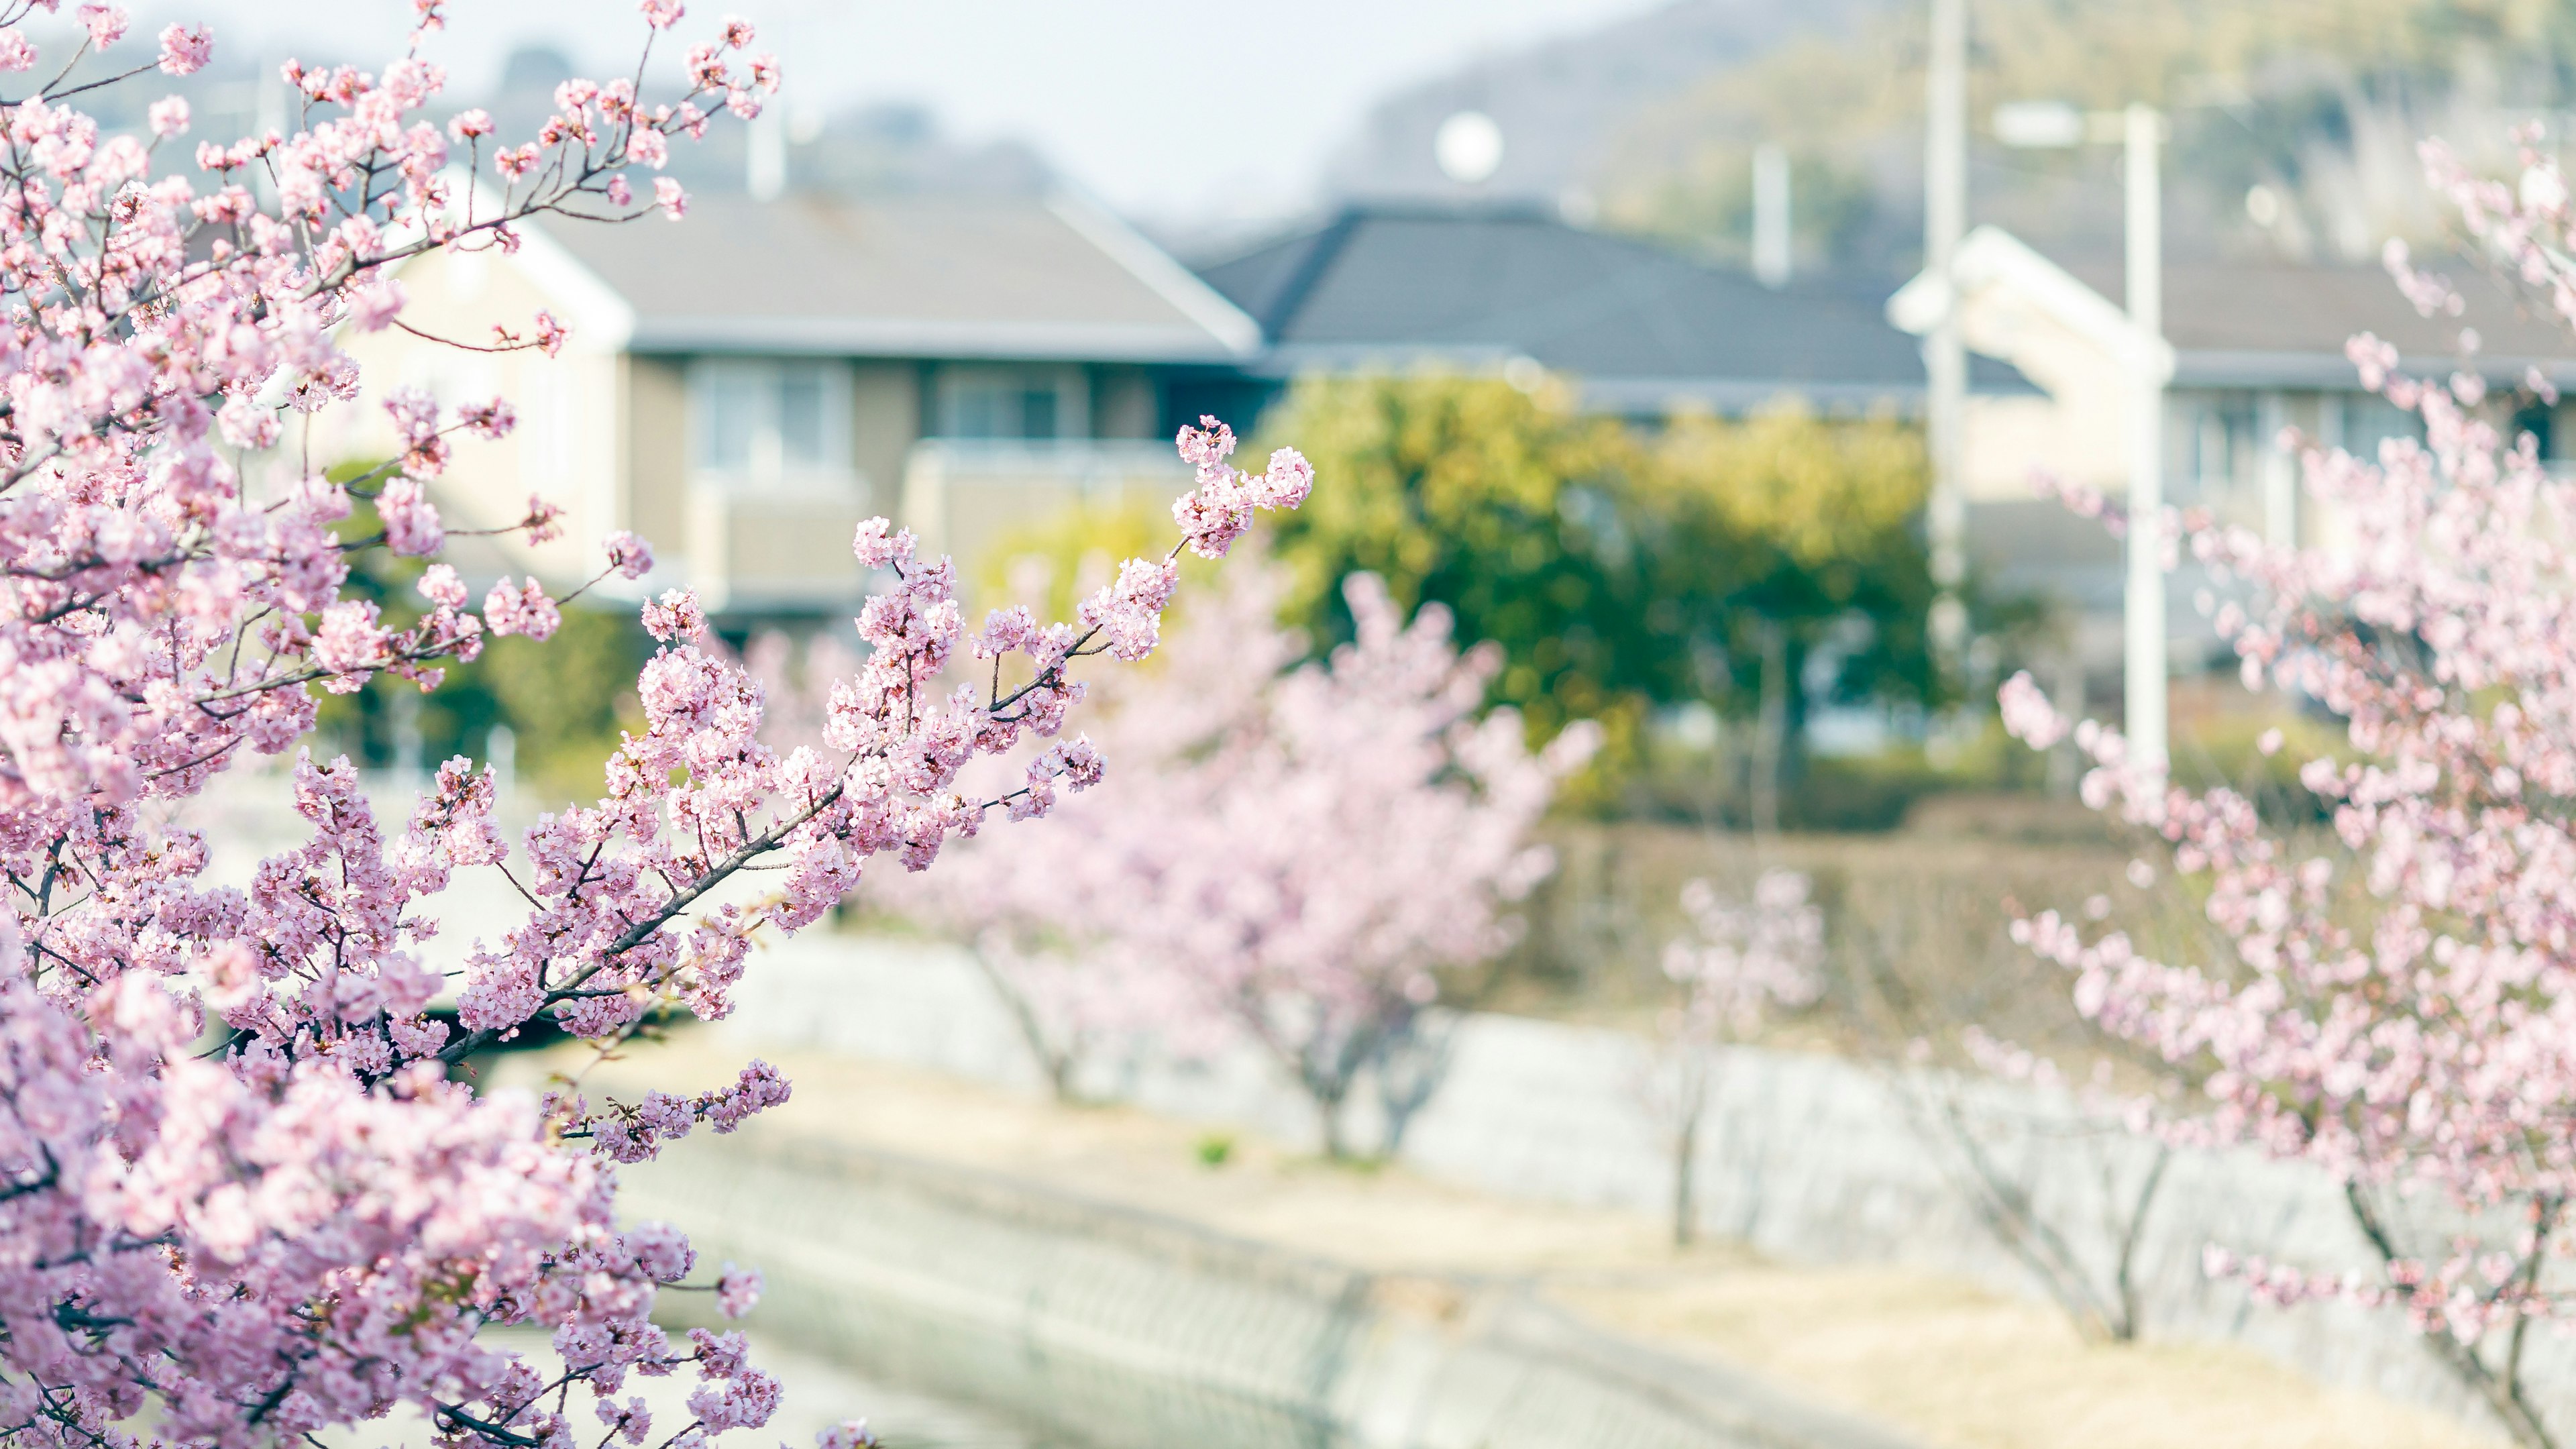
(185, 49)
(631, 556)
(524, 610)
(240, 1200)
(675, 617)
(2393, 1001)
(1741, 960)
(1278, 853)
(107, 25)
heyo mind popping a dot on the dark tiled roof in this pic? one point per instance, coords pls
(1642, 326)
(2281, 324)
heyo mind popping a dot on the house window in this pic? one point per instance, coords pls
(998, 402)
(2541, 421)
(770, 422)
(2367, 421)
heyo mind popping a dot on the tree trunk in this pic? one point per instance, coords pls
(2501, 1390)
(1059, 1065)
(1686, 1179)
(1328, 1116)
(1771, 729)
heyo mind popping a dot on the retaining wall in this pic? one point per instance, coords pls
(1113, 1327)
(1809, 1158)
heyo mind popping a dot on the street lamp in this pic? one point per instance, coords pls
(2140, 132)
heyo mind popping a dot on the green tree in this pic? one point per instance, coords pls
(1513, 508)
(1784, 540)
(1620, 569)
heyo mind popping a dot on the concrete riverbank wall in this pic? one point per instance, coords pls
(1098, 1324)
(1808, 1158)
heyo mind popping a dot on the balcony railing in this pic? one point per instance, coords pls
(963, 496)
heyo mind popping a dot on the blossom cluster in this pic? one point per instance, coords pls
(1744, 957)
(240, 1199)
(2396, 1002)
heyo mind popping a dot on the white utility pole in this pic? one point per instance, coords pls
(1774, 237)
(1945, 350)
(2142, 140)
(2140, 131)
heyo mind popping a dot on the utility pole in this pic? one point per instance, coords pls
(1774, 234)
(2143, 143)
(1945, 351)
(2140, 130)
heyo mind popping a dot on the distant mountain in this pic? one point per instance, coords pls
(1562, 104)
(2294, 125)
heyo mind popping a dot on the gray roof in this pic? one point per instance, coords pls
(2279, 324)
(912, 276)
(1642, 326)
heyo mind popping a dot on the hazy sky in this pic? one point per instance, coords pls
(1179, 110)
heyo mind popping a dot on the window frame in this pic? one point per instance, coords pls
(768, 468)
(1068, 382)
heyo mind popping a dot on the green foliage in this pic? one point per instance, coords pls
(1053, 562)
(1215, 1149)
(1787, 520)
(1618, 571)
(1512, 508)
(565, 699)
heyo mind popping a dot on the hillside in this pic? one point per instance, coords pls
(1651, 123)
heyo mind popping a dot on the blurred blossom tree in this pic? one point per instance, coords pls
(301, 1225)
(1742, 960)
(1618, 571)
(2394, 1004)
(1288, 853)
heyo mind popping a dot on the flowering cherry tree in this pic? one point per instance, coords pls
(1741, 960)
(2396, 1004)
(240, 1203)
(1289, 854)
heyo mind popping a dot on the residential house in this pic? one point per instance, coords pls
(2257, 348)
(744, 387)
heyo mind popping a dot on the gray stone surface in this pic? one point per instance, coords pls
(1810, 1158)
(1104, 1325)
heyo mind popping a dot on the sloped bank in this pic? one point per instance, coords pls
(1105, 1325)
(1806, 1158)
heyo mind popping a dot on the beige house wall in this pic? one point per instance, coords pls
(967, 499)
(657, 451)
(885, 421)
(1122, 403)
(605, 434)
(565, 449)
(761, 544)
(2076, 431)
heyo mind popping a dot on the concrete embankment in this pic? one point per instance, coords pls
(1806, 1158)
(1103, 1324)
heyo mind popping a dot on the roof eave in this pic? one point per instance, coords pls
(1179, 288)
(2212, 367)
(961, 341)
